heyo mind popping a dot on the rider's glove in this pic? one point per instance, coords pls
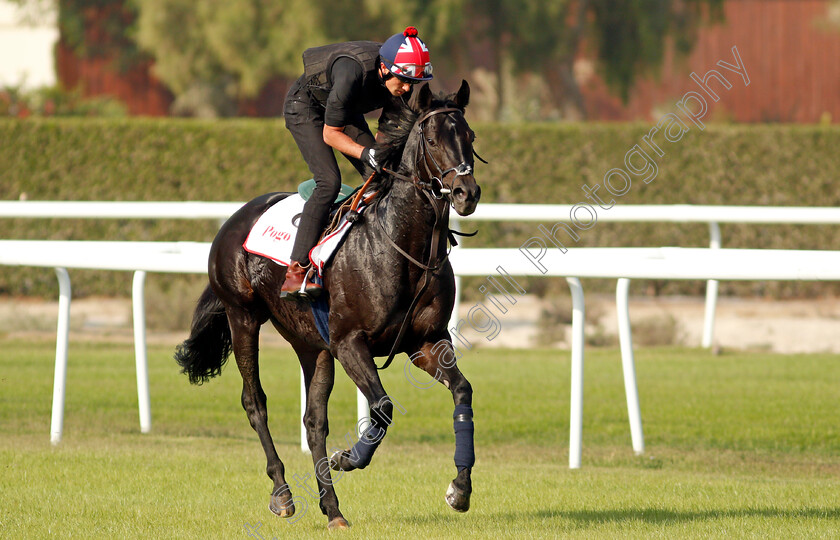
(369, 158)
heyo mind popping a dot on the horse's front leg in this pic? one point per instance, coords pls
(245, 337)
(355, 357)
(438, 360)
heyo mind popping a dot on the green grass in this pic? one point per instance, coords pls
(739, 445)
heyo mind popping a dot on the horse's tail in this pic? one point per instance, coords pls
(202, 355)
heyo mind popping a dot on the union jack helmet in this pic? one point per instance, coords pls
(406, 56)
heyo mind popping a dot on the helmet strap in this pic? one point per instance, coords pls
(383, 77)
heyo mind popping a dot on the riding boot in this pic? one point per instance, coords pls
(298, 285)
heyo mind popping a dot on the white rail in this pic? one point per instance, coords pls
(678, 213)
(672, 213)
(119, 209)
(622, 263)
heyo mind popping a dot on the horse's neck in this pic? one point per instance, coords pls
(410, 209)
(409, 218)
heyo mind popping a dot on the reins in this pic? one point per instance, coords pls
(440, 228)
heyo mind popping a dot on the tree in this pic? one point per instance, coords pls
(90, 28)
(544, 37)
(630, 37)
(215, 52)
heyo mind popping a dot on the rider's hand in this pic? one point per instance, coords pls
(369, 158)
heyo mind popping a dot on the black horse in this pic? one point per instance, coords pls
(390, 283)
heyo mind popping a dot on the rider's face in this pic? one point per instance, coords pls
(395, 86)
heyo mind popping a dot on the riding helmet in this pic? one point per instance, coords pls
(406, 56)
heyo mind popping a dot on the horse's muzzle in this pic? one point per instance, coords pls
(465, 195)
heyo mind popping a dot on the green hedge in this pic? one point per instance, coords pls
(232, 160)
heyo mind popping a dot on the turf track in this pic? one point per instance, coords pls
(738, 445)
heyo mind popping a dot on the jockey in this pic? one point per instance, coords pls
(324, 111)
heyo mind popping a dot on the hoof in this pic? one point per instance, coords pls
(282, 504)
(340, 461)
(457, 499)
(338, 523)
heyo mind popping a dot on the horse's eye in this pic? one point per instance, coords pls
(431, 141)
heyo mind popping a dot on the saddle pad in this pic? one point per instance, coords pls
(273, 235)
(321, 254)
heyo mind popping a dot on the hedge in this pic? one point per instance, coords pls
(235, 160)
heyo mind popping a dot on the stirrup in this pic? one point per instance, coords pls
(294, 294)
(305, 294)
(315, 289)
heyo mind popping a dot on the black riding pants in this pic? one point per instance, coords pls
(305, 120)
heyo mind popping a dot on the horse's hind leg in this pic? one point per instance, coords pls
(438, 360)
(319, 375)
(245, 330)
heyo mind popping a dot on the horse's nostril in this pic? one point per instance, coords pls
(459, 193)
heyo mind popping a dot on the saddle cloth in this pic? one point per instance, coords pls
(273, 235)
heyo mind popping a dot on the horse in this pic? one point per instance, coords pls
(391, 290)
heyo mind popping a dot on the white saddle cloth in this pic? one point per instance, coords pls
(273, 235)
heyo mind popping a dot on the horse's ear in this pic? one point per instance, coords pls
(424, 98)
(462, 98)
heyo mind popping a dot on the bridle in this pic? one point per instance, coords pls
(434, 190)
(462, 169)
(435, 184)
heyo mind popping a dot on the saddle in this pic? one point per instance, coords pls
(305, 190)
(344, 202)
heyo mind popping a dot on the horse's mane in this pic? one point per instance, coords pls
(395, 125)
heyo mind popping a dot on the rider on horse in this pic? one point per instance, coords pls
(325, 109)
